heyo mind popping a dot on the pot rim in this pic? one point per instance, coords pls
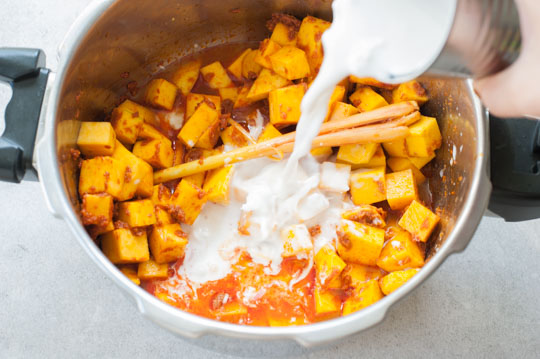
(191, 325)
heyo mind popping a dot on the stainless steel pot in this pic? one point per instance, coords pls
(114, 37)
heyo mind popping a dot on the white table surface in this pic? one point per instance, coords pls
(54, 302)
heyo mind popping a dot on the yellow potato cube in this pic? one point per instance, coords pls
(268, 133)
(368, 185)
(161, 93)
(197, 179)
(162, 216)
(265, 82)
(283, 35)
(95, 230)
(167, 243)
(179, 153)
(365, 99)
(397, 148)
(284, 105)
(121, 246)
(328, 265)
(229, 93)
(137, 213)
(364, 296)
(233, 137)
(410, 91)
(309, 40)
(394, 280)
(203, 118)
(400, 252)
(327, 305)
(378, 160)
(359, 274)
(236, 67)
(250, 68)
(96, 139)
(217, 183)
(161, 195)
(209, 137)
(187, 202)
(97, 209)
(337, 96)
(149, 132)
(420, 162)
(401, 189)
(215, 75)
(242, 100)
(187, 74)
(266, 49)
(296, 241)
(400, 164)
(290, 62)
(158, 153)
(138, 178)
(424, 137)
(342, 110)
(369, 81)
(356, 154)
(419, 221)
(152, 270)
(366, 214)
(193, 101)
(101, 174)
(231, 311)
(131, 273)
(321, 154)
(127, 120)
(359, 243)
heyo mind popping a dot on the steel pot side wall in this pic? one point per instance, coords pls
(134, 36)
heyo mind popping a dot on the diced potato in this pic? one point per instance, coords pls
(359, 243)
(167, 243)
(424, 137)
(231, 311)
(242, 100)
(197, 124)
(400, 252)
(236, 67)
(368, 185)
(309, 40)
(284, 105)
(328, 265)
(149, 132)
(138, 178)
(95, 231)
(96, 139)
(187, 74)
(366, 214)
(335, 177)
(391, 282)
(290, 62)
(101, 174)
(342, 110)
(130, 272)
(337, 96)
(369, 81)
(410, 91)
(327, 305)
(296, 241)
(162, 216)
(179, 153)
(419, 221)
(283, 35)
(397, 148)
(187, 201)
(97, 209)
(400, 164)
(365, 99)
(216, 184)
(266, 82)
(161, 195)
(250, 68)
(197, 179)
(137, 213)
(358, 274)
(193, 101)
(229, 93)
(121, 246)
(266, 49)
(321, 154)
(158, 153)
(268, 133)
(152, 270)
(161, 93)
(378, 160)
(233, 137)
(420, 162)
(400, 189)
(356, 154)
(215, 75)
(367, 294)
(210, 137)
(127, 121)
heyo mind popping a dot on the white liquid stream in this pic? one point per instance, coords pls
(391, 40)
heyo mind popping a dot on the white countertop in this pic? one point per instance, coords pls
(54, 302)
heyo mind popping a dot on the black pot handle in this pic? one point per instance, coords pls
(515, 168)
(24, 70)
